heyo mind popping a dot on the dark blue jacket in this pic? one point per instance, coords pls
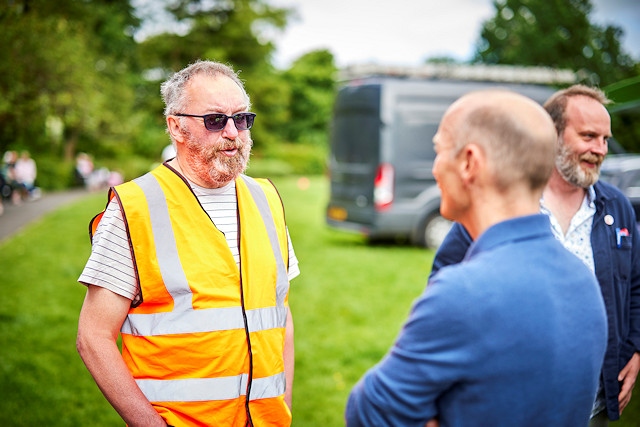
(618, 272)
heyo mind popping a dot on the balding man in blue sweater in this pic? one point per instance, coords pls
(497, 340)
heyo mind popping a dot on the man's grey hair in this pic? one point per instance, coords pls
(173, 90)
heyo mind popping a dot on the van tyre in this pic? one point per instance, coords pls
(434, 230)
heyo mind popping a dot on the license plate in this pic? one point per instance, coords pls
(336, 213)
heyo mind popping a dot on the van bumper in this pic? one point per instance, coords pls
(385, 225)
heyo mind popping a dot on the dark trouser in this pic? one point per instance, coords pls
(600, 420)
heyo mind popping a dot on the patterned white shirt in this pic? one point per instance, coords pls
(578, 237)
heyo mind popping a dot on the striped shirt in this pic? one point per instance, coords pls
(110, 264)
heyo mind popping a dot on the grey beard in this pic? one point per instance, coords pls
(568, 166)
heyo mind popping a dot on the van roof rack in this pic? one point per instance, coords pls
(472, 72)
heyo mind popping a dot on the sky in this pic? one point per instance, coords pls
(406, 32)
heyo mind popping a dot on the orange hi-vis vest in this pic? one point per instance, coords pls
(206, 343)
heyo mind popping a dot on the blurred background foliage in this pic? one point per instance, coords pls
(80, 76)
(559, 34)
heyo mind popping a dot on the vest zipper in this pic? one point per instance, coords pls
(246, 327)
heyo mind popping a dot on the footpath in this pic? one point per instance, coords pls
(15, 217)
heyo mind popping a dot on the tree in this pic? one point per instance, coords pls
(66, 76)
(230, 31)
(313, 85)
(625, 111)
(554, 33)
(73, 77)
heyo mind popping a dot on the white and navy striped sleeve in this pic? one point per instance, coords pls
(110, 264)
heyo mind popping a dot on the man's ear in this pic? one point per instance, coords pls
(472, 161)
(173, 125)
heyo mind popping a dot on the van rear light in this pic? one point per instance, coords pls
(383, 187)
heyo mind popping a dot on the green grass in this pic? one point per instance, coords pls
(42, 379)
(348, 305)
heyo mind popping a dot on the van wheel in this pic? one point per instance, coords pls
(434, 231)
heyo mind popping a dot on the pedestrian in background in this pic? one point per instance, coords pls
(26, 172)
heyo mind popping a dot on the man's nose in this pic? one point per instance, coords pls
(601, 146)
(230, 130)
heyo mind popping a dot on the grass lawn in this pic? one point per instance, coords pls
(348, 305)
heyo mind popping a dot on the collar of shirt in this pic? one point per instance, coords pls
(202, 191)
(578, 237)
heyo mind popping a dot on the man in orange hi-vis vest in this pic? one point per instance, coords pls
(190, 265)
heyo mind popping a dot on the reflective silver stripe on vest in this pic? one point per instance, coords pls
(205, 320)
(166, 247)
(183, 318)
(282, 280)
(205, 389)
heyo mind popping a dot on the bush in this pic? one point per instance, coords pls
(54, 174)
(297, 159)
(279, 159)
(130, 166)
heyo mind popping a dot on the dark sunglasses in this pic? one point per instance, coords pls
(217, 122)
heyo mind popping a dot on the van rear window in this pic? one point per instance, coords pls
(356, 138)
